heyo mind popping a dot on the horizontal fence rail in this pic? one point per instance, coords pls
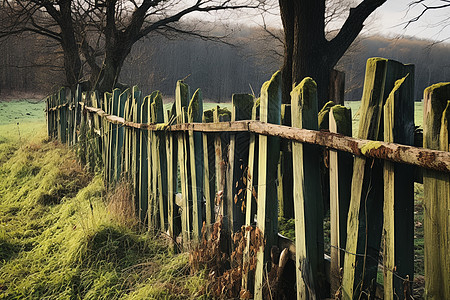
(422, 157)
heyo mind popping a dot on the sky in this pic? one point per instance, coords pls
(391, 18)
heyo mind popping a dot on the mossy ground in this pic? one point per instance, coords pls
(58, 240)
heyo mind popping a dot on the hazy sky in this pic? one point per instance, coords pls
(393, 15)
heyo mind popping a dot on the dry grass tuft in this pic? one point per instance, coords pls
(120, 204)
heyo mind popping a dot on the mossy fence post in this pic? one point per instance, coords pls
(159, 165)
(135, 145)
(269, 151)
(366, 204)
(172, 181)
(436, 186)
(143, 161)
(307, 195)
(285, 189)
(237, 162)
(398, 224)
(120, 135)
(195, 112)
(208, 172)
(251, 177)
(340, 166)
(182, 95)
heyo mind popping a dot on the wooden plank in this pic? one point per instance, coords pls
(220, 145)
(77, 100)
(237, 162)
(181, 100)
(269, 150)
(285, 188)
(340, 166)
(60, 114)
(112, 136)
(120, 135)
(365, 217)
(153, 200)
(152, 205)
(135, 142)
(398, 225)
(308, 209)
(371, 103)
(126, 146)
(436, 186)
(195, 113)
(70, 120)
(172, 208)
(143, 161)
(208, 172)
(250, 202)
(107, 103)
(160, 174)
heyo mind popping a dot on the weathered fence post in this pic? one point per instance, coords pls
(195, 112)
(363, 177)
(398, 224)
(436, 186)
(112, 136)
(220, 168)
(340, 166)
(364, 226)
(285, 189)
(208, 171)
(76, 119)
(237, 161)
(172, 181)
(269, 151)
(251, 178)
(62, 118)
(144, 167)
(120, 135)
(307, 195)
(181, 100)
(135, 155)
(159, 166)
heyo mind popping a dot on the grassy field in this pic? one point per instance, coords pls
(61, 234)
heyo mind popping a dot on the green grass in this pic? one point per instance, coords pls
(354, 106)
(58, 240)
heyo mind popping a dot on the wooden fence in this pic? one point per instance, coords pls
(190, 167)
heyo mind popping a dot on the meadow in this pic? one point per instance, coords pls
(62, 235)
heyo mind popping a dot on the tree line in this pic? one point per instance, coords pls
(218, 68)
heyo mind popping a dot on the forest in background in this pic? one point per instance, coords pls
(245, 58)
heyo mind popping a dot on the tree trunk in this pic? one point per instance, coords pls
(115, 56)
(72, 60)
(287, 16)
(310, 52)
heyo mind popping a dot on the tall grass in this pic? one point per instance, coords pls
(61, 237)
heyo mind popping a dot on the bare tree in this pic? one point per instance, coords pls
(101, 33)
(426, 6)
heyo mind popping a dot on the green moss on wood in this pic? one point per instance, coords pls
(195, 107)
(324, 115)
(373, 145)
(208, 116)
(343, 118)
